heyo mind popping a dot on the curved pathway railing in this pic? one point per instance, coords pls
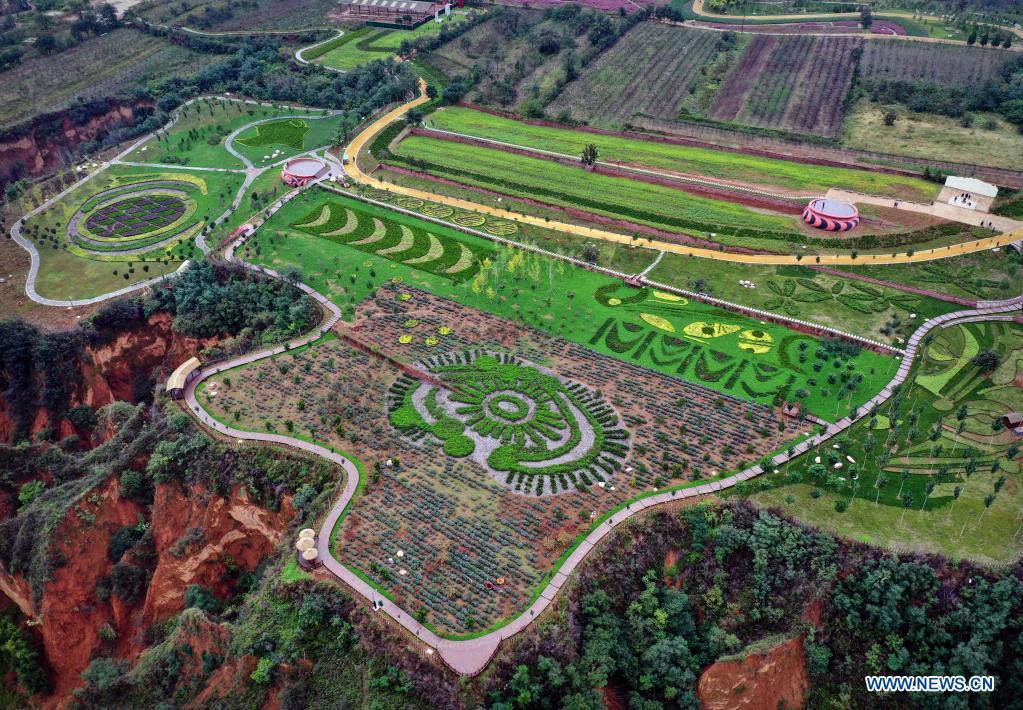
(469, 656)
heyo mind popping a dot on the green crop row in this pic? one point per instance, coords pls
(702, 161)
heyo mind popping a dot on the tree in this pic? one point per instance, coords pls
(890, 117)
(200, 597)
(907, 503)
(986, 360)
(590, 154)
(414, 117)
(590, 252)
(47, 43)
(882, 481)
(866, 17)
(30, 491)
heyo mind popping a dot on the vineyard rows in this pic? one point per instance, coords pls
(942, 64)
(649, 71)
(790, 83)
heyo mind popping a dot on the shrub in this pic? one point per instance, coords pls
(30, 491)
(200, 597)
(128, 582)
(264, 671)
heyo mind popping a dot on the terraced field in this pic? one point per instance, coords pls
(793, 84)
(347, 249)
(434, 253)
(611, 90)
(553, 183)
(369, 43)
(935, 465)
(789, 175)
(100, 67)
(945, 65)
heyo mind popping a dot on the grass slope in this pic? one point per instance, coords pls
(789, 175)
(568, 186)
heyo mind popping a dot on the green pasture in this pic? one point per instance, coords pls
(75, 274)
(844, 303)
(725, 165)
(982, 275)
(719, 349)
(568, 186)
(944, 428)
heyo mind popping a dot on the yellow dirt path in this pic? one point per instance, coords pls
(356, 173)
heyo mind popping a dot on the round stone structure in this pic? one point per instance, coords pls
(831, 215)
(301, 171)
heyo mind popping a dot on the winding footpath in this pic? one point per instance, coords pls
(250, 171)
(470, 656)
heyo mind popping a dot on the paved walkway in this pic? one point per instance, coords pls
(470, 656)
(942, 210)
(367, 135)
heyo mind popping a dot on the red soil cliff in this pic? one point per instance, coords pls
(109, 369)
(234, 533)
(39, 150)
(773, 678)
(238, 535)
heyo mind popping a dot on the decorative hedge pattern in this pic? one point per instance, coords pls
(520, 423)
(434, 253)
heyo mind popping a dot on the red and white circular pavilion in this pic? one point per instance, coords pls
(832, 215)
(301, 171)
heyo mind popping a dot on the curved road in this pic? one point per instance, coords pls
(471, 655)
(367, 135)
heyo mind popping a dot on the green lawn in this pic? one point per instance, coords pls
(198, 137)
(790, 175)
(369, 43)
(63, 274)
(718, 349)
(568, 186)
(290, 136)
(943, 430)
(990, 140)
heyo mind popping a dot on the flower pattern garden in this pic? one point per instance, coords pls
(347, 247)
(436, 531)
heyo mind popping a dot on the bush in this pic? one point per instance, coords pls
(30, 491)
(123, 540)
(304, 496)
(200, 597)
(128, 582)
(264, 671)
